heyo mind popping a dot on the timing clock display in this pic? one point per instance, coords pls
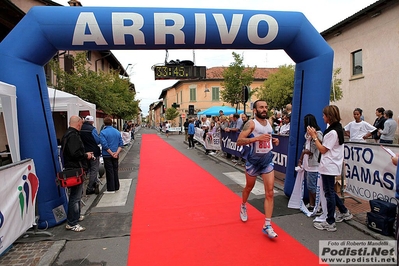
(179, 72)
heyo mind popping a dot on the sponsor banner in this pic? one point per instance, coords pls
(280, 152)
(369, 171)
(211, 141)
(18, 191)
(362, 252)
(174, 129)
(229, 143)
(171, 129)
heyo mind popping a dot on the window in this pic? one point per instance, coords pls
(357, 64)
(215, 94)
(193, 94)
(88, 56)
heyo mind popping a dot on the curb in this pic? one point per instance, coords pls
(52, 254)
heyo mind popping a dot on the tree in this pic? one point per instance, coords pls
(234, 78)
(336, 91)
(278, 89)
(171, 113)
(108, 91)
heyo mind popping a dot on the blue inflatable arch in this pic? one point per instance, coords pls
(45, 30)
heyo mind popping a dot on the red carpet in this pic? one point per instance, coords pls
(184, 216)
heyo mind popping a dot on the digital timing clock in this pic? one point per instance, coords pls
(179, 72)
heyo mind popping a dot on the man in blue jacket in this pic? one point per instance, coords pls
(112, 144)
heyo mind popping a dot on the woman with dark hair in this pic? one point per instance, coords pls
(332, 157)
(309, 159)
(378, 123)
(358, 130)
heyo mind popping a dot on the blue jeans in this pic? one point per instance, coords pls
(92, 172)
(111, 173)
(75, 195)
(311, 181)
(332, 198)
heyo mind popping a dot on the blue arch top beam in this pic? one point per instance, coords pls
(46, 30)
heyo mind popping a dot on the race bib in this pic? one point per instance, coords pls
(263, 146)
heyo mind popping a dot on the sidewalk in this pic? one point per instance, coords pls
(44, 253)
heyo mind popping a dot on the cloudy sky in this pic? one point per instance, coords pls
(323, 14)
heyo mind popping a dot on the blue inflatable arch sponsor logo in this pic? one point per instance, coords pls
(46, 30)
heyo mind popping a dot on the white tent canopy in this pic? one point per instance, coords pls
(9, 109)
(61, 101)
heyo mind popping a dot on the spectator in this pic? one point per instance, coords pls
(197, 122)
(358, 130)
(285, 128)
(111, 142)
(277, 122)
(167, 127)
(191, 132)
(378, 123)
(224, 123)
(185, 125)
(235, 126)
(74, 156)
(288, 108)
(244, 119)
(388, 133)
(91, 140)
(332, 157)
(205, 127)
(309, 159)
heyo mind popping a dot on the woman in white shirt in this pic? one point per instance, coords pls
(332, 157)
(358, 130)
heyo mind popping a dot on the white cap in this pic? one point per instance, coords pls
(89, 118)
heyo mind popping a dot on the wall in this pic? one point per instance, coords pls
(378, 38)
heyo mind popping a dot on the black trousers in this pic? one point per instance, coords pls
(111, 173)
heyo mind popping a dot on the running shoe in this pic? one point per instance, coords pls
(268, 230)
(75, 228)
(243, 213)
(325, 226)
(343, 216)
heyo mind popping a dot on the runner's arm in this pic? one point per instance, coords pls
(243, 137)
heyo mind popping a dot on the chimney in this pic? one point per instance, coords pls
(74, 3)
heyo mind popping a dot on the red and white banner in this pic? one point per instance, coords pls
(18, 191)
(211, 141)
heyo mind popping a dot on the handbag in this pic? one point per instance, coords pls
(70, 177)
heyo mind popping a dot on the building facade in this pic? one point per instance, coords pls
(204, 93)
(366, 48)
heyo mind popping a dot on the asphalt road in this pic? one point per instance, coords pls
(106, 240)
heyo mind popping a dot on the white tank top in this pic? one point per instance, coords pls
(262, 146)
